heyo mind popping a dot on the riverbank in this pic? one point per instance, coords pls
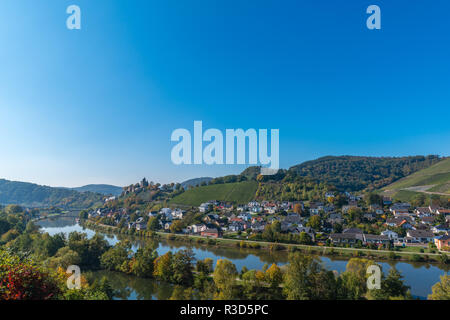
(420, 276)
(385, 255)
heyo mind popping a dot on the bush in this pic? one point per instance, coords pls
(416, 258)
(23, 280)
(443, 258)
(392, 256)
(276, 247)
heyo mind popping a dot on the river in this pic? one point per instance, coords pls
(419, 276)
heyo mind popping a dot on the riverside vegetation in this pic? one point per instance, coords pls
(32, 266)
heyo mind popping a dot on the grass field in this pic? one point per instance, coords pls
(438, 174)
(404, 195)
(434, 179)
(444, 188)
(238, 192)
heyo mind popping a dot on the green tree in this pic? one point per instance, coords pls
(176, 226)
(224, 277)
(353, 282)
(205, 266)
(392, 287)
(182, 266)
(64, 258)
(305, 238)
(153, 224)
(144, 261)
(116, 257)
(306, 279)
(315, 222)
(276, 226)
(441, 290)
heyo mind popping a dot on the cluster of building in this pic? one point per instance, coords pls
(419, 223)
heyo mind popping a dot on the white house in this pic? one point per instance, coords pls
(440, 228)
(167, 212)
(256, 209)
(197, 228)
(390, 234)
(177, 214)
(204, 207)
(246, 216)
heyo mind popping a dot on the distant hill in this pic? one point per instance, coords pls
(251, 172)
(238, 192)
(34, 195)
(354, 173)
(195, 182)
(432, 180)
(104, 189)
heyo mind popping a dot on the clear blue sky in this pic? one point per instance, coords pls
(98, 105)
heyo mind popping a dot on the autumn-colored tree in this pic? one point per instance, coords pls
(23, 280)
(274, 276)
(163, 267)
(298, 208)
(176, 226)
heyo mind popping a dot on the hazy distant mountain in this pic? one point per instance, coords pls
(104, 189)
(195, 182)
(34, 195)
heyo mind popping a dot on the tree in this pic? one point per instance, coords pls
(153, 224)
(224, 277)
(144, 261)
(337, 228)
(276, 226)
(298, 208)
(24, 280)
(353, 282)
(163, 267)
(392, 287)
(116, 257)
(181, 293)
(305, 238)
(441, 290)
(355, 214)
(13, 209)
(176, 226)
(315, 222)
(274, 276)
(304, 279)
(419, 200)
(373, 198)
(64, 258)
(52, 244)
(205, 266)
(182, 266)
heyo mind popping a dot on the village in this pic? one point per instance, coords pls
(384, 225)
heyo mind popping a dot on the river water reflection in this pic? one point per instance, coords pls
(419, 276)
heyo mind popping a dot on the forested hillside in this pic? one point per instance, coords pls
(352, 173)
(104, 189)
(33, 195)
